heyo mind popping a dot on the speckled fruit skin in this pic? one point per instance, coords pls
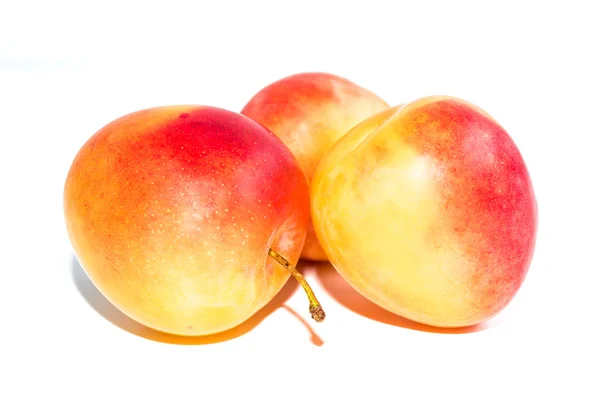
(171, 212)
(309, 112)
(428, 210)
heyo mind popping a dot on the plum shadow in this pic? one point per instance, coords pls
(344, 294)
(103, 307)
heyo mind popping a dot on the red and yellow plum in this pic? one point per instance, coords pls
(309, 112)
(428, 210)
(172, 211)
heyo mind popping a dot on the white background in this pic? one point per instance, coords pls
(66, 69)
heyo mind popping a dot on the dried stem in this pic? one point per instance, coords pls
(316, 311)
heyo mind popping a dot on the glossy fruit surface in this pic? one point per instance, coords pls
(428, 210)
(172, 210)
(309, 112)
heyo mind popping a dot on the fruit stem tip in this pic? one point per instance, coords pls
(315, 309)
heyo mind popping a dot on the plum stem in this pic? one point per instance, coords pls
(315, 309)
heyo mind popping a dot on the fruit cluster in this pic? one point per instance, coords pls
(190, 219)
